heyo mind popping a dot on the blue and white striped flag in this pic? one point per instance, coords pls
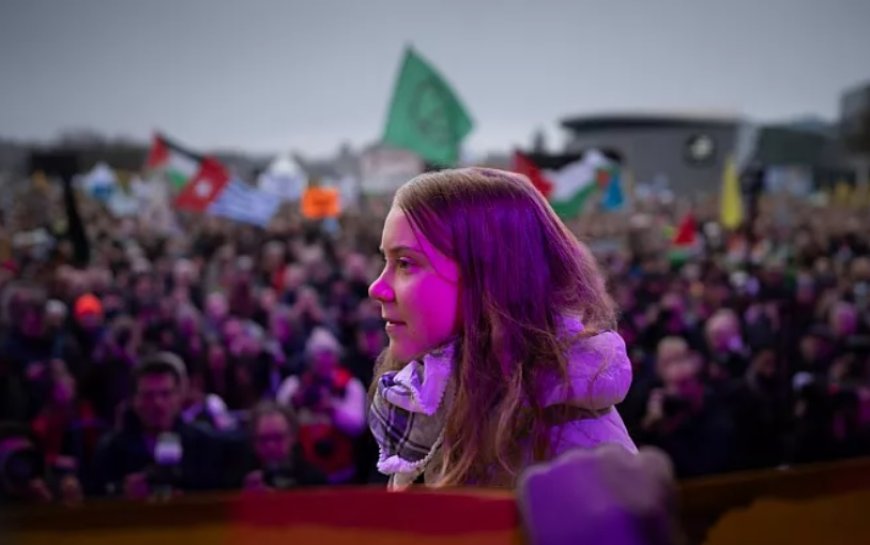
(243, 203)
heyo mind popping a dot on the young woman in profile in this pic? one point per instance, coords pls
(502, 350)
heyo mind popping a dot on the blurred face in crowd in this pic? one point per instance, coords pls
(232, 330)
(188, 325)
(320, 271)
(723, 332)
(184, 272)
(669, 350)
(157, 401)
(294, 277)
(355, 267)
(806, 290)
(273, 439)
(249, 345)
(843, 320)
(268, 299)
(340, 289)
(307, 298)
(764, 369)
(418, 290)
(217, 357)
(810, 348)
(273, 256)
(55, 314)
(324, 361)
(279, 325)
(216, 306)
(144, 288)
(682, 379)
(99, 278)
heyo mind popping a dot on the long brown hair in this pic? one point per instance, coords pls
(521, 271)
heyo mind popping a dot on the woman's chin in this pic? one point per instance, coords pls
(398, 355)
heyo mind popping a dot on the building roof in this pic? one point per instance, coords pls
(647, 120)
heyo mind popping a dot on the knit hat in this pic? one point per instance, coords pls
(87, 304)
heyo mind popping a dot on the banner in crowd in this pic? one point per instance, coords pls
(321, 203)
(241, 202)
(155, 210)
(384, 169)
(426, 116)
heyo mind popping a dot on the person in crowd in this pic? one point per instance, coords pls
(278, 463)
(758, 410)
(726, 350)
(686, 420)
(24, 476)
(67, 428)
(330, 403)
(154, 447)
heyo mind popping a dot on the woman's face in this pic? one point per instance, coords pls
(418, 290)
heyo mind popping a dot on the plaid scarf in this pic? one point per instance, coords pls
(408, 412)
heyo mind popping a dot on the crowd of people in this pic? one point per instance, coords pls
(223, 357)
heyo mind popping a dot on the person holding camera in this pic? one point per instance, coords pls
(25, 477)
(67, 429)
(154, 452)
(687, 421)
(330, 402)
(274, 440)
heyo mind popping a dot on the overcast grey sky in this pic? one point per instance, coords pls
(264, 75)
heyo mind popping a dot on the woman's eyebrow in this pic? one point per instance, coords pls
(392, 250)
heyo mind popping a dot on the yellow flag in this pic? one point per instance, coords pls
(730, 202)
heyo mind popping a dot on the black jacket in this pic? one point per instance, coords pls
(209, 461)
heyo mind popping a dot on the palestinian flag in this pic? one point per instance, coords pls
(566, 181)
(176, 163)
(684, 243)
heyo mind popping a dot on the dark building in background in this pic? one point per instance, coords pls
(688, 152)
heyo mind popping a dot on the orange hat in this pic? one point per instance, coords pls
(87, 304)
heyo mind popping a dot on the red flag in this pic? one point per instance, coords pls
(686, 231)
(204, 188)
(524, 165)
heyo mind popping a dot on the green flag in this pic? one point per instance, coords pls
(426, 116)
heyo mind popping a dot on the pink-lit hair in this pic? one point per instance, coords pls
(521, 271)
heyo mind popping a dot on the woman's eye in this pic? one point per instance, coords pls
(403, 264)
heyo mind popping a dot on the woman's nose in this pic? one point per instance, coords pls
(380, 289)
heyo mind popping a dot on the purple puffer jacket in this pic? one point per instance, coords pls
(599, 373)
